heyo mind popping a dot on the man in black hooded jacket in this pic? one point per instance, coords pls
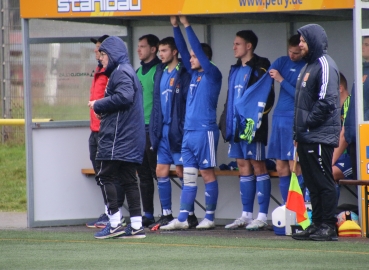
(316, 130)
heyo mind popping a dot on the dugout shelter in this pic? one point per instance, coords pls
(57, 192)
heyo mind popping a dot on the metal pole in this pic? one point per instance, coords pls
(28, 120)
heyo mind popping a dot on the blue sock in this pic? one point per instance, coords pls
(165, 192)
(149, 215)
(301, 182)
(211, 199)
(187, 199)
(193, 205)
(284, 185)
(247, 191)
(263, 187)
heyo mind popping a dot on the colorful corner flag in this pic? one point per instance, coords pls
(295, 202)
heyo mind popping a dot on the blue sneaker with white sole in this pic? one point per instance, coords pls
(132, 233)
(110, 232)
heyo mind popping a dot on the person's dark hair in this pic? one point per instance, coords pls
(169, 41)
(152, 40)
(343, 81)
(207, 50)
(249, 36)
(294, 40)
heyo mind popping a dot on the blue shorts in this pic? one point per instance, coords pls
(199, 148)
(243, 150)
(165, 156)
(280, 145)
(344, 164)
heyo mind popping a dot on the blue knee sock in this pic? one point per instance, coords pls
(263, 187)
(165, 192)
(193, 205)
(211, 199)
(301, 183)
(188, 196)
(284, 185)
(247, 191)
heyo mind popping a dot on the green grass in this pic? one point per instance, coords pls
(43, 249)
(13, 178)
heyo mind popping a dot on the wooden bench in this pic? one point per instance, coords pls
(366, 199)
(173, 174)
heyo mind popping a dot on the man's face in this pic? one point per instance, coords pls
(144, 51)
(166, 54)
(303, 46)
(195, 63)
(104, 59)
(365, 49)
(241, 47)
(294, 52)
(96, 50)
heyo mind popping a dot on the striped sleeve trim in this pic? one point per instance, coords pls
(325, 77)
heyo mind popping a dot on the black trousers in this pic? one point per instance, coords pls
(316, 166)
(147, 174)
(110, 172)
(92, 145)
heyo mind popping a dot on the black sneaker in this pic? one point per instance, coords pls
(325, 233)
(305, 234)
(192, 221)
(163, 220)
(146, 222)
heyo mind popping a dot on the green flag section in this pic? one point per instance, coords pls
(295, 202)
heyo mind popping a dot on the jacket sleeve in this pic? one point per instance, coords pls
(122, 94)
(328, 92)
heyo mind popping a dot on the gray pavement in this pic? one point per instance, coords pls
(13, 220)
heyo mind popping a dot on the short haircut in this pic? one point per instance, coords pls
(170, 42)
(248, 36)
(294, 40)
(207, 50)
(152, 40)
(343, 81)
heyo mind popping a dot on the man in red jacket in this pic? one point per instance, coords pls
(97, 91)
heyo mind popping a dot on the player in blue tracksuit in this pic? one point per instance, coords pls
(201, 131)
(285, 70)
(250, 157)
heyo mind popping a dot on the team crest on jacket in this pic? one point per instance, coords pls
(364, 78)
(198, 78)
(306, 77)
(171, 82)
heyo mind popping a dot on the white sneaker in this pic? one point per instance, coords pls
(256, 224)
(175, 224)
(206, 224)
(240, 222)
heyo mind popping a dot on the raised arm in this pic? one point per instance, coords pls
(205, 63)
(181, 43)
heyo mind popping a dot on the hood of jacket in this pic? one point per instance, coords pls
(316, 39)
(117, 52)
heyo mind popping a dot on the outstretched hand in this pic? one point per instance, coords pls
(184, 21)
(173, 21)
